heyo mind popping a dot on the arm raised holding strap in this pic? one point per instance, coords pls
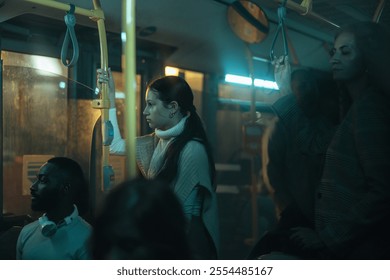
(118, 145)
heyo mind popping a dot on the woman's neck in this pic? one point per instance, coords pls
(173, 131)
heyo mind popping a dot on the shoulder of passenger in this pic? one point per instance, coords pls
(194, 148)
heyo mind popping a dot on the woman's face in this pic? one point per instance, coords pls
(156, 113)
(346, 60)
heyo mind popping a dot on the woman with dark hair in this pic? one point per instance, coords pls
(140, 219)
(353, 198)
(179, 153)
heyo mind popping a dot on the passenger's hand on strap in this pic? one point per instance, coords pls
(282, 73)
(106, 77)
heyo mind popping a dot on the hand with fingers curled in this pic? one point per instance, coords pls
(306, 239)
(106, 77)
(282, 73)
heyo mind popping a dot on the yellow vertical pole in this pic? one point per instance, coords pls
(129, 70)
(104, 103)
(104, 66)
(252, 122)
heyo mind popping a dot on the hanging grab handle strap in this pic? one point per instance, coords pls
(70, 21)
(281, 29)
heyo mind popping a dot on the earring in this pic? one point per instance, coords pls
(66, 188)
(171, 114)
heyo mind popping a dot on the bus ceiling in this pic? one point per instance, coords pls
(199, 32)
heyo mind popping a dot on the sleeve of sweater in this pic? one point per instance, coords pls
(118, 145)
(193, 204)
(194, 188)
(193, 170)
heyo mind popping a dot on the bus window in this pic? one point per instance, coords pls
(233, 112)
(42, 117)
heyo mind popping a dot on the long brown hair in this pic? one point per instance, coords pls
(173, 88)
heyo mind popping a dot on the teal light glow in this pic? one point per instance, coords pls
(248, 81)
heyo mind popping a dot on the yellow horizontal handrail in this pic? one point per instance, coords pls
(93, 14)
(304, 11)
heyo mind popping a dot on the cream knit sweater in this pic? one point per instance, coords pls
(193, 169)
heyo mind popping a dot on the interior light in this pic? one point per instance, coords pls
(49, 66)
(62, 85)
(238, 79)
(171, 71)
(266, 84)
(248, 81)
(123, 37)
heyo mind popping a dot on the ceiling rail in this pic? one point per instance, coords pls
(305, 11)
(93, 14)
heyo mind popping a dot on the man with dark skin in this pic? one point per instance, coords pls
(60, 233)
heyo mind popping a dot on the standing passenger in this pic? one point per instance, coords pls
(296, 146)
(353, 199)
(179, 153)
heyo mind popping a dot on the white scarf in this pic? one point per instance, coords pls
(165, 137)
